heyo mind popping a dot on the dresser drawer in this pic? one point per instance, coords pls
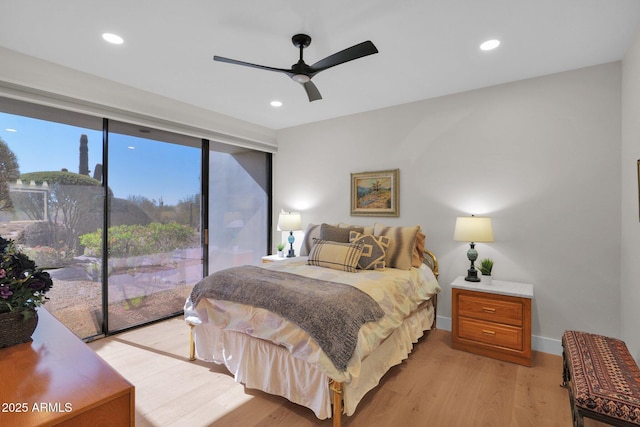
(491, 333)
(510, 312)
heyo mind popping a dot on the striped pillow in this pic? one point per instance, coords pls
(339, 256)
(374, 250)
(418, 252)
(401, 246)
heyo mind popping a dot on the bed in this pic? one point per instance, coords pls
(326, 371)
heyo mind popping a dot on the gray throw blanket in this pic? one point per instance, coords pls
(331, 313)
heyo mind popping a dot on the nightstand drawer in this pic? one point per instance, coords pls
(490, 309)
(490, 333)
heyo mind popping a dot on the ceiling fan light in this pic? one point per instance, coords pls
(301, 78)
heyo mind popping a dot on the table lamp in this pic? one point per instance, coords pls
(290, 221)
(473, 229)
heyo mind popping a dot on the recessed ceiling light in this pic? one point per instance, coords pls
(490, 44)
(276, 103)
(113, 38)
(10, 130)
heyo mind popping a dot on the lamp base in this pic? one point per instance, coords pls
(472, 273)
(291, 239)
(472, 276)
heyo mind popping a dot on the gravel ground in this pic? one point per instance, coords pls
(78, 305)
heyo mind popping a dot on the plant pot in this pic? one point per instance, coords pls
(15, 330)
(486, 279)
(281, 254)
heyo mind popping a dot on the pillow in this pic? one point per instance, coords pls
(366, 229)
(374, 250)
(401, 245)
(336, 255)
(312, 231)
(337, 234)
(419, 249)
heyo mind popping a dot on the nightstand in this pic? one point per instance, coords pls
(492, 320)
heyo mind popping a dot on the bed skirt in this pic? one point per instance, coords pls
(295, 379)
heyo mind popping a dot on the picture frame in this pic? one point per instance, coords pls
(375, 193)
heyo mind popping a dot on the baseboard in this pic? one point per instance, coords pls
(443, 323)
(538, 343)
(546, 345)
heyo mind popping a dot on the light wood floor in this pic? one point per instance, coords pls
(436, 386)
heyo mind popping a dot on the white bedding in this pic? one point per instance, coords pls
(222, 328)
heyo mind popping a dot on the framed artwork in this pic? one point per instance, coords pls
(375, 193)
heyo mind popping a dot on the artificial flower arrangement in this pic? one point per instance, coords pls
(22, 284)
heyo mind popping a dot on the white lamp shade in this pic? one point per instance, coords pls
(473, 229)
(289, 221)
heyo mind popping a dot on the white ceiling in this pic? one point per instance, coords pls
(428, 48)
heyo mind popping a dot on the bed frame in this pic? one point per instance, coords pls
(336, 387)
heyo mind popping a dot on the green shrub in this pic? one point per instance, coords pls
(48, 257)
(133, 240)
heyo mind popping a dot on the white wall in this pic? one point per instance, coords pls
(540, 156)
(30, 79)
(630, 282)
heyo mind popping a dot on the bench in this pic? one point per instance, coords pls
(603, 379)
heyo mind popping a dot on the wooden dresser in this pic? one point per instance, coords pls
(492, 320)
(58, 380)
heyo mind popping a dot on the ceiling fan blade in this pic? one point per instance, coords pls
(346, 55)
(248, 64)
(312, 91)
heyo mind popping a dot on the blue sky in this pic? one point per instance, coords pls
(151, 169)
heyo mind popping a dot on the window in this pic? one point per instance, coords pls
(66, 202)
(55, 198)
(238, 208)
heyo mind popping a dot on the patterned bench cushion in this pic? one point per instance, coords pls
(604, 377)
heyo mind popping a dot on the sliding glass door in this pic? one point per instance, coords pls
(153, 239)
(238, 208)
(114, 212)
(52, 194)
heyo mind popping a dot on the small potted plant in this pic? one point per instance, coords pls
(281, 247)
(486, 265)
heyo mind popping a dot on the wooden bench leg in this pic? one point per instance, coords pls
(565, 370)
(576, 416)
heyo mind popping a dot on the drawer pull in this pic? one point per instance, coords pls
(488, 309)
(486, 332)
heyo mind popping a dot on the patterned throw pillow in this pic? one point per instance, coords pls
(339, 256)
(374, 250)
(401, 245)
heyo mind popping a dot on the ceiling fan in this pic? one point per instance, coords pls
(303, 73)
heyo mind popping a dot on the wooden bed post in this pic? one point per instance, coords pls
(192, 344)
(336, 388)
